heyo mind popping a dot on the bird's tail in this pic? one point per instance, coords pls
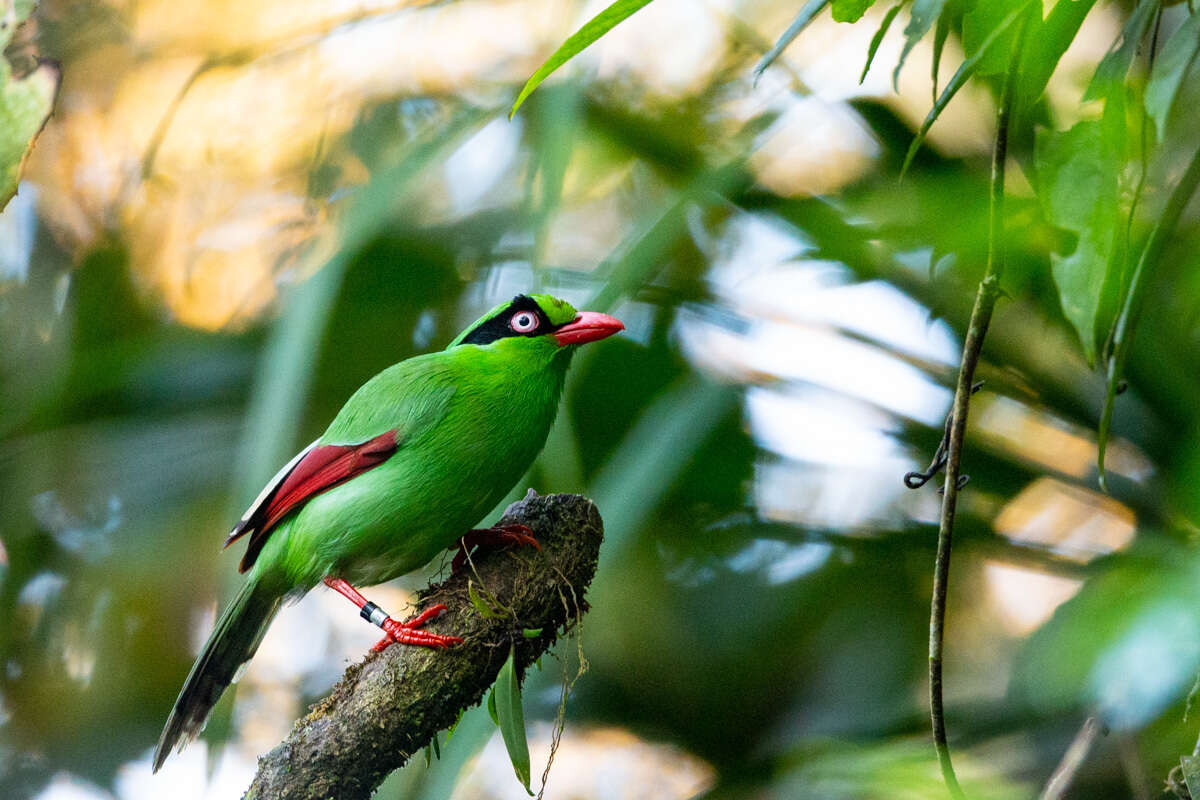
(232, 643)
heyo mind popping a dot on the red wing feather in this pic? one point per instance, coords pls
(318, 469)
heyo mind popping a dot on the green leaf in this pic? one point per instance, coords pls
(1115, 65)
(1172, 64)
(1128, 645)
(1045, 48)
(1077, 173)
(957, 81)
(1191, 774)
(491, 707)
(1131, 303)
(850, 10)
(25, 104)
(511, 718)
(939, 43)
(485, 610)
(877, 39)
(531, 633)
(437, 748)
(895, 767)
(924, 14)
(806, 15)
(450, 731)
(980, 21)
(577, 42)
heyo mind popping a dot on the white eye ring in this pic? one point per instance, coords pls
(524, 322)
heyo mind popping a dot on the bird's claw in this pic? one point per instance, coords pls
(495, 537)
(411, 632)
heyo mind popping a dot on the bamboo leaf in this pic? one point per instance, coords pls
(979, 22)
(511, 718)
(806, 15)
(1115, 65)
(850, 10)
(939, 43)
(577, 42)
(959, 79)
(1172, 64)
(924, 14)
(877, 39)
(531, 633)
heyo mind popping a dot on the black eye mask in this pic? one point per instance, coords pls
(497, 326)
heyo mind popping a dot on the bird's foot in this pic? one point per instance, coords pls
(497, 537)
(410, 632)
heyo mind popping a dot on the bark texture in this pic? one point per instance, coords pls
(390, 705)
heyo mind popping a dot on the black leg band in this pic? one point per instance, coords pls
(373, 614)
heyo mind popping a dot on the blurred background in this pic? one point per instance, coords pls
(240, 211)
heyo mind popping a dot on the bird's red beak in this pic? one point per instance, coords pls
(588, 326)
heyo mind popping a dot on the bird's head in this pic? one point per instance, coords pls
(540, 322)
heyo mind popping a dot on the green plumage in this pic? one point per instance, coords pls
(470, 420)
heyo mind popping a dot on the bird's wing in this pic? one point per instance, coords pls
(315, 469)
(255, 512)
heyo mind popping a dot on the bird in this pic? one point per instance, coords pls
(416, 456)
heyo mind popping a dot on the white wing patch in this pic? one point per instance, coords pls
(265, 494)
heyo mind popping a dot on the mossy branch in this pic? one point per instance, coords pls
(391, 704)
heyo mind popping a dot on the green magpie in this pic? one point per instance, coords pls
(416, 456)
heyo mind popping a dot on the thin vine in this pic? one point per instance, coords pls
(981, 316)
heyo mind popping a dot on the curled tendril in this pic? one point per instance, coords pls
(916, 479)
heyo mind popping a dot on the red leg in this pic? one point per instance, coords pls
(497, 537)
(347, 591)
(409, 632)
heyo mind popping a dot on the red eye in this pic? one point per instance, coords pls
(523, 322)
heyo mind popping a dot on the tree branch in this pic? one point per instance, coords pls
(391, 704)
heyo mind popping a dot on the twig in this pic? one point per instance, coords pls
(1073, 759)
(1131, 762)
(276, 46)
(393, 703)
(164, 122)
(568, 684)
(981, 317)
(917, 479)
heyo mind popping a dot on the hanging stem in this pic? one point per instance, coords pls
(1077, 753)
(981, 317)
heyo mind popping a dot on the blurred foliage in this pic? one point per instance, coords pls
(596, 27)
(762, 600)
(26, 97)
